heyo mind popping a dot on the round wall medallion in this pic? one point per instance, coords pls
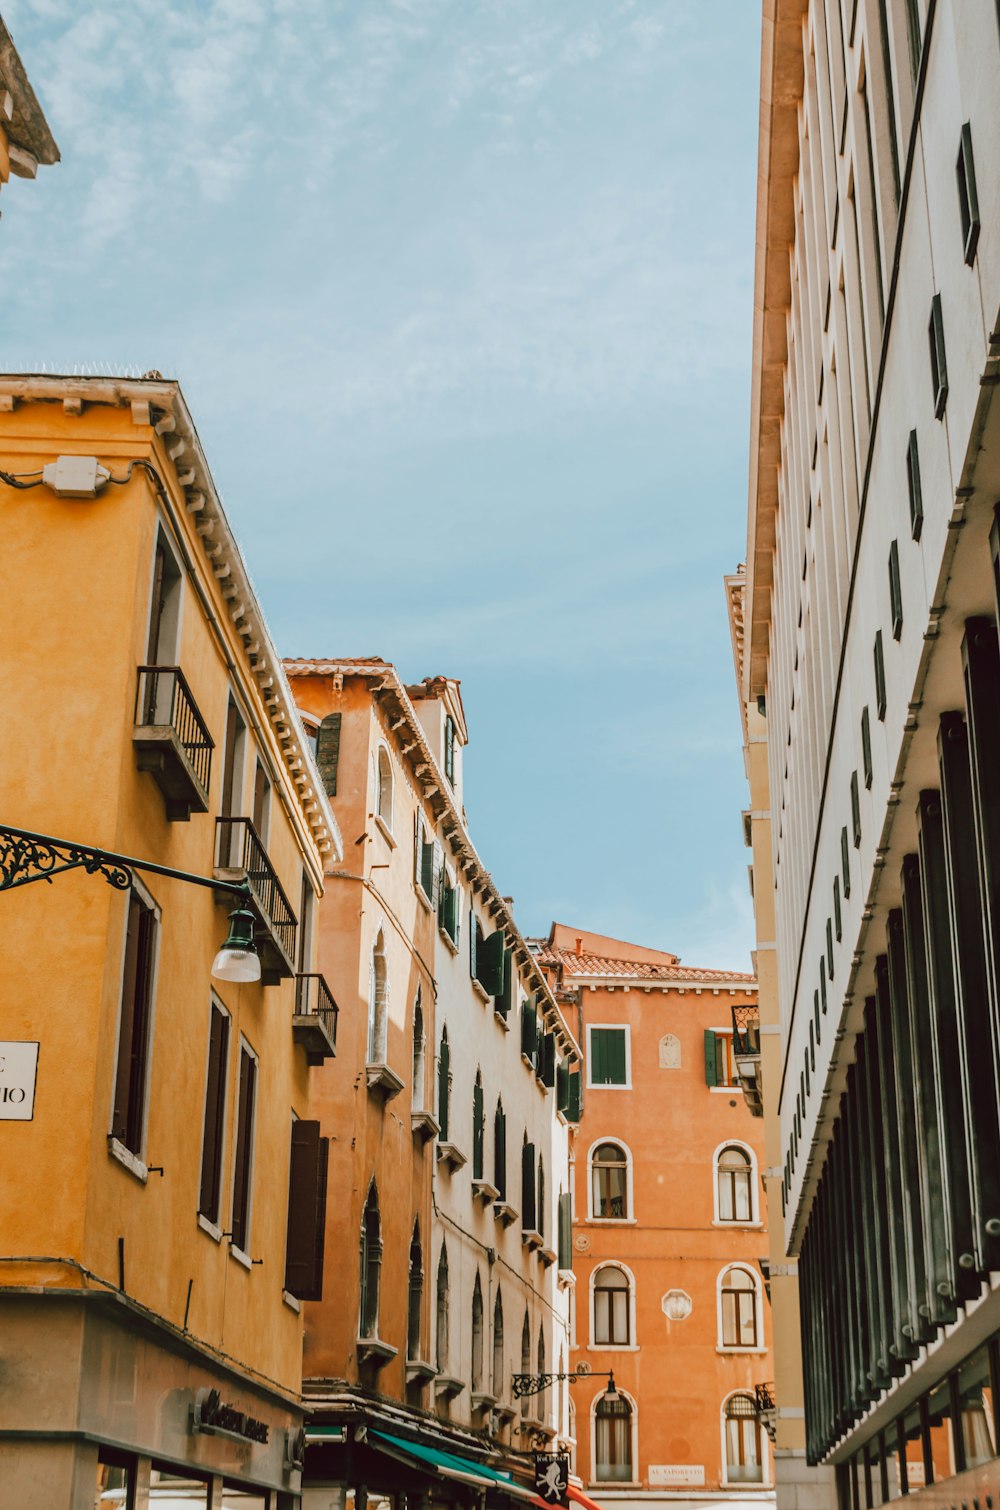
(582, 1243)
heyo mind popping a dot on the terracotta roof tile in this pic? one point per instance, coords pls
(583, 965)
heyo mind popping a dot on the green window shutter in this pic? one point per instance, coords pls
(478, 1131)
(562, 1087)
(711, 1072)
(328, 751)
(427, 849)
(444, 1086)
(547, 1060)
(503, 1001)
(528, 1212)
(500, 1153)
(615, 1057)
(598, 1057)
(565, 1232)
(529, 1029)
(574, 1106)
(489, 963)
(473, 940)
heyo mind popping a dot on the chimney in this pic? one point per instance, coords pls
(579, 944)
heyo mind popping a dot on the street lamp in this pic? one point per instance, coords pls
(26, 857)
(533, 1384)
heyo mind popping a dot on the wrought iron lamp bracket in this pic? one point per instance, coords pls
(28, 857)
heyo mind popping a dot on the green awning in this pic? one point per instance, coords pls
(452, 1466)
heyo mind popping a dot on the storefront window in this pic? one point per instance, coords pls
(169, 1490)
(115, 1487)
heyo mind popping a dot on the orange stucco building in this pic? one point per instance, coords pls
(668, 1229)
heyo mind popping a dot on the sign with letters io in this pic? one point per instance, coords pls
(18, 1071)
(676, 1473)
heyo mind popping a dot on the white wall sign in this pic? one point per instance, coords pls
(18, 1070)
(676, 1473)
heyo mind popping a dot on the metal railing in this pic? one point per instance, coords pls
(746, 1031)
(767, 1409)
(313, 998)
(163, 699)
(241, 848)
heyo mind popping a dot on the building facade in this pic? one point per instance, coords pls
(668, 1230)
(26, 141)
(450, 1100)
(162, 1173)
(870, 652)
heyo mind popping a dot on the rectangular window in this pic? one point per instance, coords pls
(261, 802)
(838, 921)
(829, 948)
(608, 1056)
(305, 1239)
(968, 198)
(845, 862)
(243, 1170)
(128, 1120)
(720, 1062)
(879, 677)
(939, 365)
(913, 486)
(866, 746)
(213, 1135)
(449, 903)
(231, 805)
(895, 591)
(855, 810)
(449, 749)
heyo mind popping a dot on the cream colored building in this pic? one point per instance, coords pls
(870, 674)
(25, 139)
(161, 1175)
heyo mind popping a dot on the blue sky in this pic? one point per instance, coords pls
(460, 295)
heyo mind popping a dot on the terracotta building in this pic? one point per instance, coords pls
(448, 1111)
(668, 1229)
(870, 683)
(162, 1174)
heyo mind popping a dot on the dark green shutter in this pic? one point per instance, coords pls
(615, 1053)
(598, 1071)
(427, 852)
(711, 1073)
(502, 1003)
(489, 963)
(328, 751)
(562, 1087)
(478, 1130)
(444, 1077)
(547, 1060)
(565, 1232)
(473, 940)
(529, 1029)
(500, 1152)
(575, 1106)
(528, 1213)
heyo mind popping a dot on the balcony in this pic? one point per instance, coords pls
(314, 1024)
(172, 741)
(767, 1409)
(746, 1052)
(241, 856)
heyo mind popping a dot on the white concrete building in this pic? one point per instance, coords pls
(870, 645)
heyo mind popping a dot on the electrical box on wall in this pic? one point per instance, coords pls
(75, 476)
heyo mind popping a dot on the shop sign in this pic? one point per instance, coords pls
(18, 1072)
(210, 1413)
(676, 1473)
(552, 1477)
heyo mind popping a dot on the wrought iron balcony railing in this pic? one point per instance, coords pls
(316, 1015)
(241, 850)
(767, 1409)
(172, 739)
(746, 1031)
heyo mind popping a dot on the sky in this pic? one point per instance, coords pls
(460, 296)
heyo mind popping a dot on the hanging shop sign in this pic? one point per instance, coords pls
(18, 1073)
(211, 1414)
(552, 1477)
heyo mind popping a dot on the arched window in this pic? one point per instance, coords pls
(444, 1085)
(383, 787)
(371, 1263)
(415, 1294)
(500, 1150)
(613, 1419)
(609, 1171)
(441, 1317)
(477, 1338)
(478, 1127)
(540, 1212)
(418, 1054)
(525, 1356)
(739, 1324)
(496, 1383)
(543, 1394)
(734, 1181)
(378, 1000)
(612, 1307)
(744, 1459)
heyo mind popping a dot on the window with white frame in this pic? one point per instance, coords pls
(609, 1055)
(612, 1308)
(739, 1309)
(741, 1429)
(378, 1002)
(734, 1184)
(384, 787)
(614, 1423)
(609, 1182)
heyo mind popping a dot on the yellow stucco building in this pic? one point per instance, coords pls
(161, 1181)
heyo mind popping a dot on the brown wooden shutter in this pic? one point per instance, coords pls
(215, 1111)
(244, 1148)
(120, 1116)
(328, 751)
(307, 1184)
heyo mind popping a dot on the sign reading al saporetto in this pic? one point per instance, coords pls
(18, 1073)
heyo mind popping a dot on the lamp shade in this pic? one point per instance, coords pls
(238, 960)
